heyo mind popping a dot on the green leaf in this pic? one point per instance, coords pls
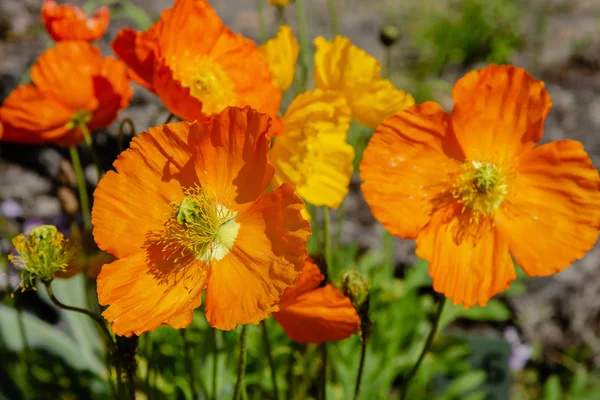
(552, 388)
(464, 384)
(41, 335)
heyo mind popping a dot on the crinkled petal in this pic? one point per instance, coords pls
(113, 91)
(371, 103)
(282, 55)
(231, 155)
(312, 152)
(405, 164)
(138, 51)
(468, 264)
(269, 250)
(309, 279)
(339, 64)
(141, 298)
(320, 315)
(65, 73)
(552, 216)
(135, 199)
(67, 22)
(499, 112)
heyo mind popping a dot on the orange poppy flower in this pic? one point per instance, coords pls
(473, 188)
(72, 85)
(67, 22)
(313, 313)
(196, 65)
(186, 211)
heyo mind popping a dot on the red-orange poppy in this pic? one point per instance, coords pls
(72, 85)
(186, 211)
(68, 22)
(473, 188)
(310, 312)
(196, 65)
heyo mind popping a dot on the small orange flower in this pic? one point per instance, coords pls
(186, 211)
(67, 22)
(72, 85)
(313, 313)
(473, 188)
(196, 65)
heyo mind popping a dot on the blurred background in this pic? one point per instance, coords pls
(540, 339)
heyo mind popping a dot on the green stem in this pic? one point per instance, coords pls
(169, 118)
(215, 387)
(327, 241)
(83, 195)
(90, 314)
(415, 368)
(333, 17)
(363, 353)
(387, 61)
(189, 365)
(149, 366)
(281, 17)
(262, 29)
(241, 372)
(88, 140)
(263, 324)
(388, 250)
(303, 34)
(129, 122)
(324, 371)
(24, 359)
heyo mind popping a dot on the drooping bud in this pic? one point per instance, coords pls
(388, 35)
(355, 287)
(40, 254)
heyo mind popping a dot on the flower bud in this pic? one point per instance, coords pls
(280, 3)
(40, 254)
(388, 35)
(355, 287)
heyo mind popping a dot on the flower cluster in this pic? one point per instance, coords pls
(213, 206)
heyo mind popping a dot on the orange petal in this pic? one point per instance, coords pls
(552, 217)
(468, 268)
(190, 27)
(135, 199)
(309, 279)
(247, 78)
(404, 165)
(137, 50)
(65, 73)
(269, 250)
(231, 155)
(499, 112)
(31, 117)
(317, 316)
(141, 298)
(113, 91)
(67, 22)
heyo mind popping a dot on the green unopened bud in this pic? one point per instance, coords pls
(40, 254)
(355, 287)
(388, 35)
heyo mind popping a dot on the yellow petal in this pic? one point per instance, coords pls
(282, 54)
(311, 152)
(340, 65)
(343, 67)
(371, 103)
(280, 3)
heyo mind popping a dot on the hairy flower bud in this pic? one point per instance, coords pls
(355, 287)
(40, 254)
(388, 35)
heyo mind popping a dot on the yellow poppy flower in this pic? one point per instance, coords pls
(343, 67)
(281, 53)
(311, 152)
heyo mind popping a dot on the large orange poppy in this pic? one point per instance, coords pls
(72, 85)
(315, 313)
(473, 188)
(68, 22)
(196, 65)
(186, 211)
